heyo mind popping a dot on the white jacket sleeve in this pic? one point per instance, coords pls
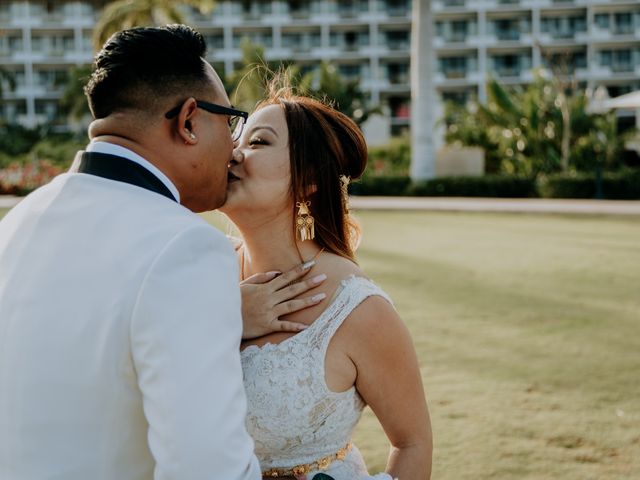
(185, 337)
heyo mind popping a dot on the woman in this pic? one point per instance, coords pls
(306, 391)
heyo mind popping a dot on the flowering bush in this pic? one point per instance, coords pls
(21, 179)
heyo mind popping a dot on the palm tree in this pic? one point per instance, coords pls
(6, 79)
(423, 96)
(123, 14)
(73, 100)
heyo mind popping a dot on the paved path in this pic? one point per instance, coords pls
(525, 205)
(446, 204)
(7, 201)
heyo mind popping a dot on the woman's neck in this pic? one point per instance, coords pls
(273, 246)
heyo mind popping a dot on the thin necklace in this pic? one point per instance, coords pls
(288, 284)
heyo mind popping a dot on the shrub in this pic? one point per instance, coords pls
(19, 179)
(391, 186)
(621, 185)
(57, 151)
(486, 186)
(392, 160)
(16, 140)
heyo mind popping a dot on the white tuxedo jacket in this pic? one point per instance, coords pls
(120, 324)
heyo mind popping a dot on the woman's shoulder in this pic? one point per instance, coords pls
(339, 268)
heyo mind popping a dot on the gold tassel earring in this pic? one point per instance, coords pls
(304, 222)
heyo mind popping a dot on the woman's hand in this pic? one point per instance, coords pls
(268, 296)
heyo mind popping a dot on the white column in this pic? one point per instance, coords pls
(535, 32)
(28, 77)
(423, 96)
(482, 56)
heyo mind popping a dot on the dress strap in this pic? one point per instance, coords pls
(352, 292)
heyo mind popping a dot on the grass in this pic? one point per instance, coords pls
(527, 328)
(528, 332)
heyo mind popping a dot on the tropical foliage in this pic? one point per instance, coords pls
(74, 101)
(123, 14)
(248, 83)
(522, 129)
(21, 179)
(6, 80)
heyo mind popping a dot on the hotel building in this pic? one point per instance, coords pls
(598, 42)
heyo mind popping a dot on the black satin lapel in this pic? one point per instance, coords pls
(121, 170)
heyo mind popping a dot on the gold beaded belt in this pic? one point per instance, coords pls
(320, 464)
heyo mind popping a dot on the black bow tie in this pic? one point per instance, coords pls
(119, 169)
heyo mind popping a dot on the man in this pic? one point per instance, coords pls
(119, 308)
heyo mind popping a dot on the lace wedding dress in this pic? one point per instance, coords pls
(293, 417)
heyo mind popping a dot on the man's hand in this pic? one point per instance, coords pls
(268, 296)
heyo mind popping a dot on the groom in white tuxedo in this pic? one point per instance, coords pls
(119, 307)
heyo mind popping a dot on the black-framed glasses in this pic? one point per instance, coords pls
(237, 118)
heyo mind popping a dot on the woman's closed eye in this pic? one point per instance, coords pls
(257, 141)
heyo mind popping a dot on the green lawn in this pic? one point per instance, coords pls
(528, 332)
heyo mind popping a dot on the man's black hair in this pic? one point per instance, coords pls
(138, 68)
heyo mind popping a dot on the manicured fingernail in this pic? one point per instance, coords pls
(302, 327)
(274, 273)
(318, 297)
(319, 278)
(308, 265)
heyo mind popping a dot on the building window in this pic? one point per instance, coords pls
(398, 73)
(624, 23)
(454, 67)
(397, 40)
(602, 20)
(215, 40)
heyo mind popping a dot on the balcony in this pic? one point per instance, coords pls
(398, 11)
(508, 71)
(398, 79)
(397, 45)
(302, 14)
(625, 29)
(455, 74)
(508, 35)
(622, 68)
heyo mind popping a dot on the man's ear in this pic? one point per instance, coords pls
(185, 122)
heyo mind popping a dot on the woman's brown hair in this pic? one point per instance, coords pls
(324, 144)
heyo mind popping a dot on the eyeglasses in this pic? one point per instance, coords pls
(237, 118)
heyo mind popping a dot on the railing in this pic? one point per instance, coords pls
(508, 72)
(563, 34)
(300, 14)
(508, 35)
(622, 67)
(398, 45)
(455, 73)
(623, 30)
(398, 11)
(398, 79)
(456, 37)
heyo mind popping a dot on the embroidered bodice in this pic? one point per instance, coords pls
(293, 416)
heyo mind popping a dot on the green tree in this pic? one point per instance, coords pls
(6, 80)
(345, 95)
(74, 101)
(247, 85)
(123, 14)
(539, 129)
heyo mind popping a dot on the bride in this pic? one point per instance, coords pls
(306, 391)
